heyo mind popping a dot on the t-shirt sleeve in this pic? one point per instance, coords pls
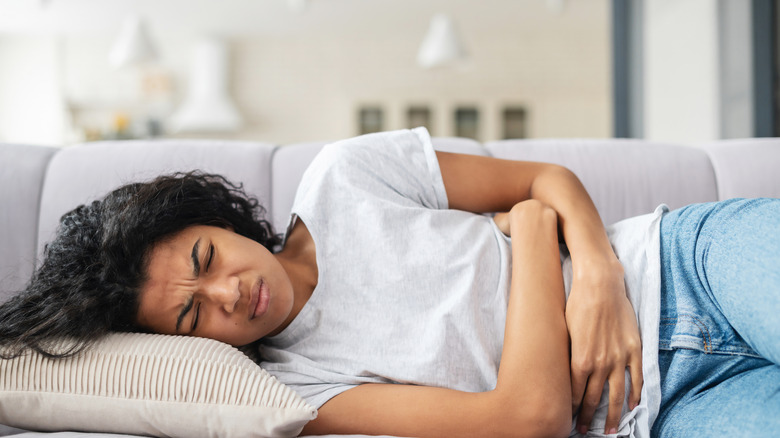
(397, 166)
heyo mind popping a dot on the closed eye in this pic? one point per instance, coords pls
(197, 316)
(210, 257)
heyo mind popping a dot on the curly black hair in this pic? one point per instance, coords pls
(89, 281)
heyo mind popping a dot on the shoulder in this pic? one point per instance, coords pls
(370, 148)
(391, 153)
(395, 165)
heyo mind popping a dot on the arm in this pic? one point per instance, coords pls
(482, 184)
(532, 394)
(602, 326)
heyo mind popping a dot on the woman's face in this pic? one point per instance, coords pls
(213, 283)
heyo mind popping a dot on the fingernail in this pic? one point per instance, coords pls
(612, 431)
(583, 429)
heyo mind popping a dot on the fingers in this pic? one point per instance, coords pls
(502, 220)
(593, 388)
(579, 380)
(590, 402)
(617, 394)
(635, 367)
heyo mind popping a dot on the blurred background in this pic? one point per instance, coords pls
(285, 71)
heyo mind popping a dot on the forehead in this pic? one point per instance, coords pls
(169, 278)
(170, 252)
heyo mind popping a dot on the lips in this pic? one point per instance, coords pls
(260, 298)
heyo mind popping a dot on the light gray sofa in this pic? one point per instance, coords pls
(624, 177)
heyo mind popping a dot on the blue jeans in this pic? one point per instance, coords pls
(719, 337)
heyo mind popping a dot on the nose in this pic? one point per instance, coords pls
(224, 292)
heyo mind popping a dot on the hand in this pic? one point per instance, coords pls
(604, 342)
(502, 220)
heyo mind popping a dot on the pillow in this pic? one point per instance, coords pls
(147, 384)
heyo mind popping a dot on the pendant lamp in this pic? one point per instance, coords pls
(442, 45)
(208, 106)
(133, 46)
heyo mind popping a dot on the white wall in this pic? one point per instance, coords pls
(315, 87)
(31, 102)
(302, 77)
(681, 70)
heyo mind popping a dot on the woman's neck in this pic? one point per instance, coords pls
(299, 260)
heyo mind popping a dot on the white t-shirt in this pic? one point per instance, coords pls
(410, 291)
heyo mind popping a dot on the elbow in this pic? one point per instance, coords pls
(553, 421)
(545, 418)
(552, 178)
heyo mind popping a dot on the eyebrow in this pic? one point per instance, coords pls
(195, 271)
(195, 261)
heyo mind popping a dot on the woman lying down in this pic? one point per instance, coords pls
(396, 309)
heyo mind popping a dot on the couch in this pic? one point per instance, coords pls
(624, 177)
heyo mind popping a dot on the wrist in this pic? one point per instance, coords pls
(598, 269)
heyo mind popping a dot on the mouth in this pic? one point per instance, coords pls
(260, 298)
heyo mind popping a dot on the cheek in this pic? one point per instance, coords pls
(226, 330)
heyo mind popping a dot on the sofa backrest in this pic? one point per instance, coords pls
(22, 169)
(624, 177)
(746, 168)
(80, 174)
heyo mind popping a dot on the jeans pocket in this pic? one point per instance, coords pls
(693, 332)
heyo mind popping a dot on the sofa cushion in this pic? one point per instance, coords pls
(21, 179)
(287, 167)
(153, 385)
(624, 177)
(746, 168)
(80, 174)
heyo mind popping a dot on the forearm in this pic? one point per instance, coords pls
(532, 397)
(535, 356)
(602, 326)
(600, 319)
(578, 219)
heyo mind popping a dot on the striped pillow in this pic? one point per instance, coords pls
(145, 384)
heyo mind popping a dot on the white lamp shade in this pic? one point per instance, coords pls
(208, 107)
(133, 46)
(442, 45)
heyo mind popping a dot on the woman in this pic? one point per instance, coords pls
(389, 253)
